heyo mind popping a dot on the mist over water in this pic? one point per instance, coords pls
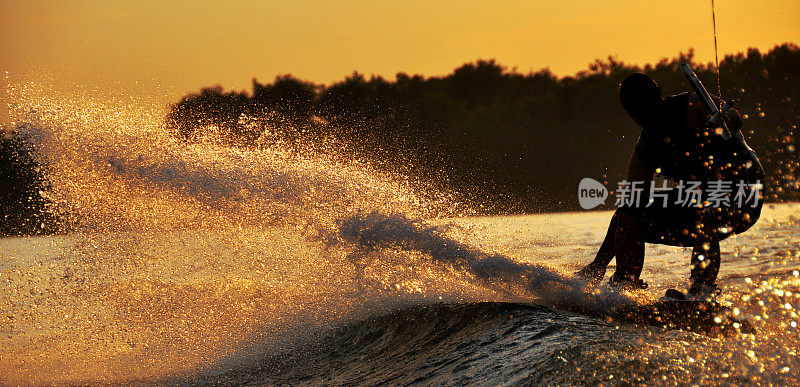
(201, 262)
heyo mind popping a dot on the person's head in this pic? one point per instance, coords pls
(640, 96)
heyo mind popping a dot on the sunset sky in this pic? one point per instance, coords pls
(164, 49)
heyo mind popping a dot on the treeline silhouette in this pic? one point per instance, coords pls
(507, 142)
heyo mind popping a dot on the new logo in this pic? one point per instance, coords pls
(591, 193)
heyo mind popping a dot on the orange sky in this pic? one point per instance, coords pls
(165, 49)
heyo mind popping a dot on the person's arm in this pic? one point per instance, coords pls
(637, 171)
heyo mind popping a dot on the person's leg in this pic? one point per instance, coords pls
(705, 266)
(629, 250)
(607, 249)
